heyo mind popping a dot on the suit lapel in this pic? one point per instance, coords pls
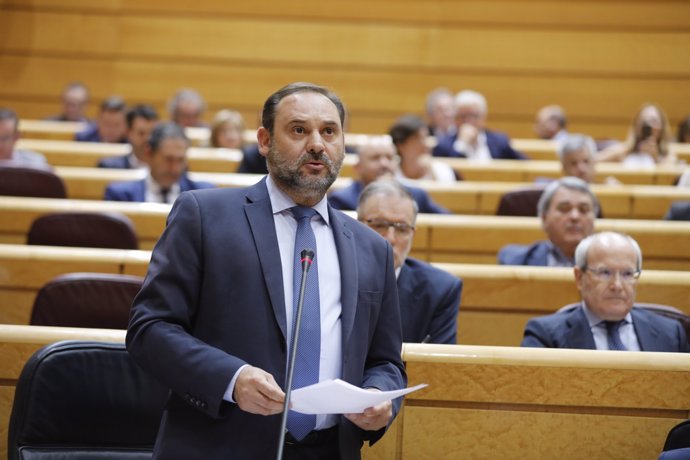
(260, 216)
(408, 296)
(579, 335)
(140, 191)
(647, 335)
(347, 259)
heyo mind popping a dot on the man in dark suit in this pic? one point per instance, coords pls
(472, 140)
(214, 318)
(166, 155)
(679, 210)
(607, 270)
(567, 209)
(376, 160)
(110, 126)
(429, 297)
(140, 122)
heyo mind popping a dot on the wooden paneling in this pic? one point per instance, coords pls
(381, 56)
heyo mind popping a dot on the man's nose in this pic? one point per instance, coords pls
(315, 143)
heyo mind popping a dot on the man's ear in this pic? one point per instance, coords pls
(577, 271)
(264, 139)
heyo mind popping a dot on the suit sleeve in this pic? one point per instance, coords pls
(159, 337)
(444, 324)
(536, 335)
(384, 368)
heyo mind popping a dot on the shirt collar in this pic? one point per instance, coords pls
(281, 202)
(594, 320)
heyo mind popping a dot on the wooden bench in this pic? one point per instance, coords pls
(504, 297)
(504, 402)
(465, 197)
(499, 401)
(18, 343)
(456, 238)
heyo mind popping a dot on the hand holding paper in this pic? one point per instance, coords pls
(339, 397)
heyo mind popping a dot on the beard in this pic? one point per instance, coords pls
(289, 176)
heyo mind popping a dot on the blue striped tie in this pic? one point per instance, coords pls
(308, 351)
(613, 336)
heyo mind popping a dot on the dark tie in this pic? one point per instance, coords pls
(164, 195)
(613, 336)
(308, 351)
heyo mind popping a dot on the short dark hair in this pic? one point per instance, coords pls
(8, 114)
(405, 127)
(166, 130)
(144, 111)
(113, 104)
(268, 114)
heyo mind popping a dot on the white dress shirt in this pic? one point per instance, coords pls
(598, 328)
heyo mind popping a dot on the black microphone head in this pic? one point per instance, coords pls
(307, 254)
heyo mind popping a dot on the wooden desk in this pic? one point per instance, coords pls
(503, 296)
(632, 202)
(501, 402)
(456, 238)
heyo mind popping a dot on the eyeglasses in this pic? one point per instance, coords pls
(381, 226)
(606, 275)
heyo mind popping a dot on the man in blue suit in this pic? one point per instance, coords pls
(166, 154)
(429, 297)
(110, 126)
(608, 266)
(567, 209)
(213, 320)
(141, 120)
(472, 140)
(376, 160)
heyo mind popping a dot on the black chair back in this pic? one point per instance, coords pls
(84, 400)
(16, 180)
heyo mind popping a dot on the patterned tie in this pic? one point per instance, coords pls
(614, 338)
(309, 346)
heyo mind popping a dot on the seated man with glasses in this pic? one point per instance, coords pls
(429, 298)
(607, 270)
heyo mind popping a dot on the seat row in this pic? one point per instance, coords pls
(497, 301)
(501, 402)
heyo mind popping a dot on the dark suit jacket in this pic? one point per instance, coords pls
(118, 162)
(346, 199)
(90, 134)
(535, 254)
(498, 144)
(429, 302)
(570, 329)
(679, 210)
(136, 190)
(213, 301)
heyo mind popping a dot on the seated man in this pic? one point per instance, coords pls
(166, 155)
(607, 269)
(429, 297)
(140, 122)
(187, 108)
(567, 209)
(440, 112)
(551, 123)
(377, 160)
(74, 99)
(576, 152)
(110, 126)
(9, 135)
(472, 140)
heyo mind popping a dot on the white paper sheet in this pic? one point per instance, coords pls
(339, 397)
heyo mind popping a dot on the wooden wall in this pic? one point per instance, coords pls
(599, 59)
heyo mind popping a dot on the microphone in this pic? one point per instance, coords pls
(306, 258)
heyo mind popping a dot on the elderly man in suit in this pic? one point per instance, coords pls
(429, 297)
(214, 319)
(377, 160)
(9, 135)
(608, 266)
(141, 119)
(472, 140)
(166, 154)
(567, 209)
